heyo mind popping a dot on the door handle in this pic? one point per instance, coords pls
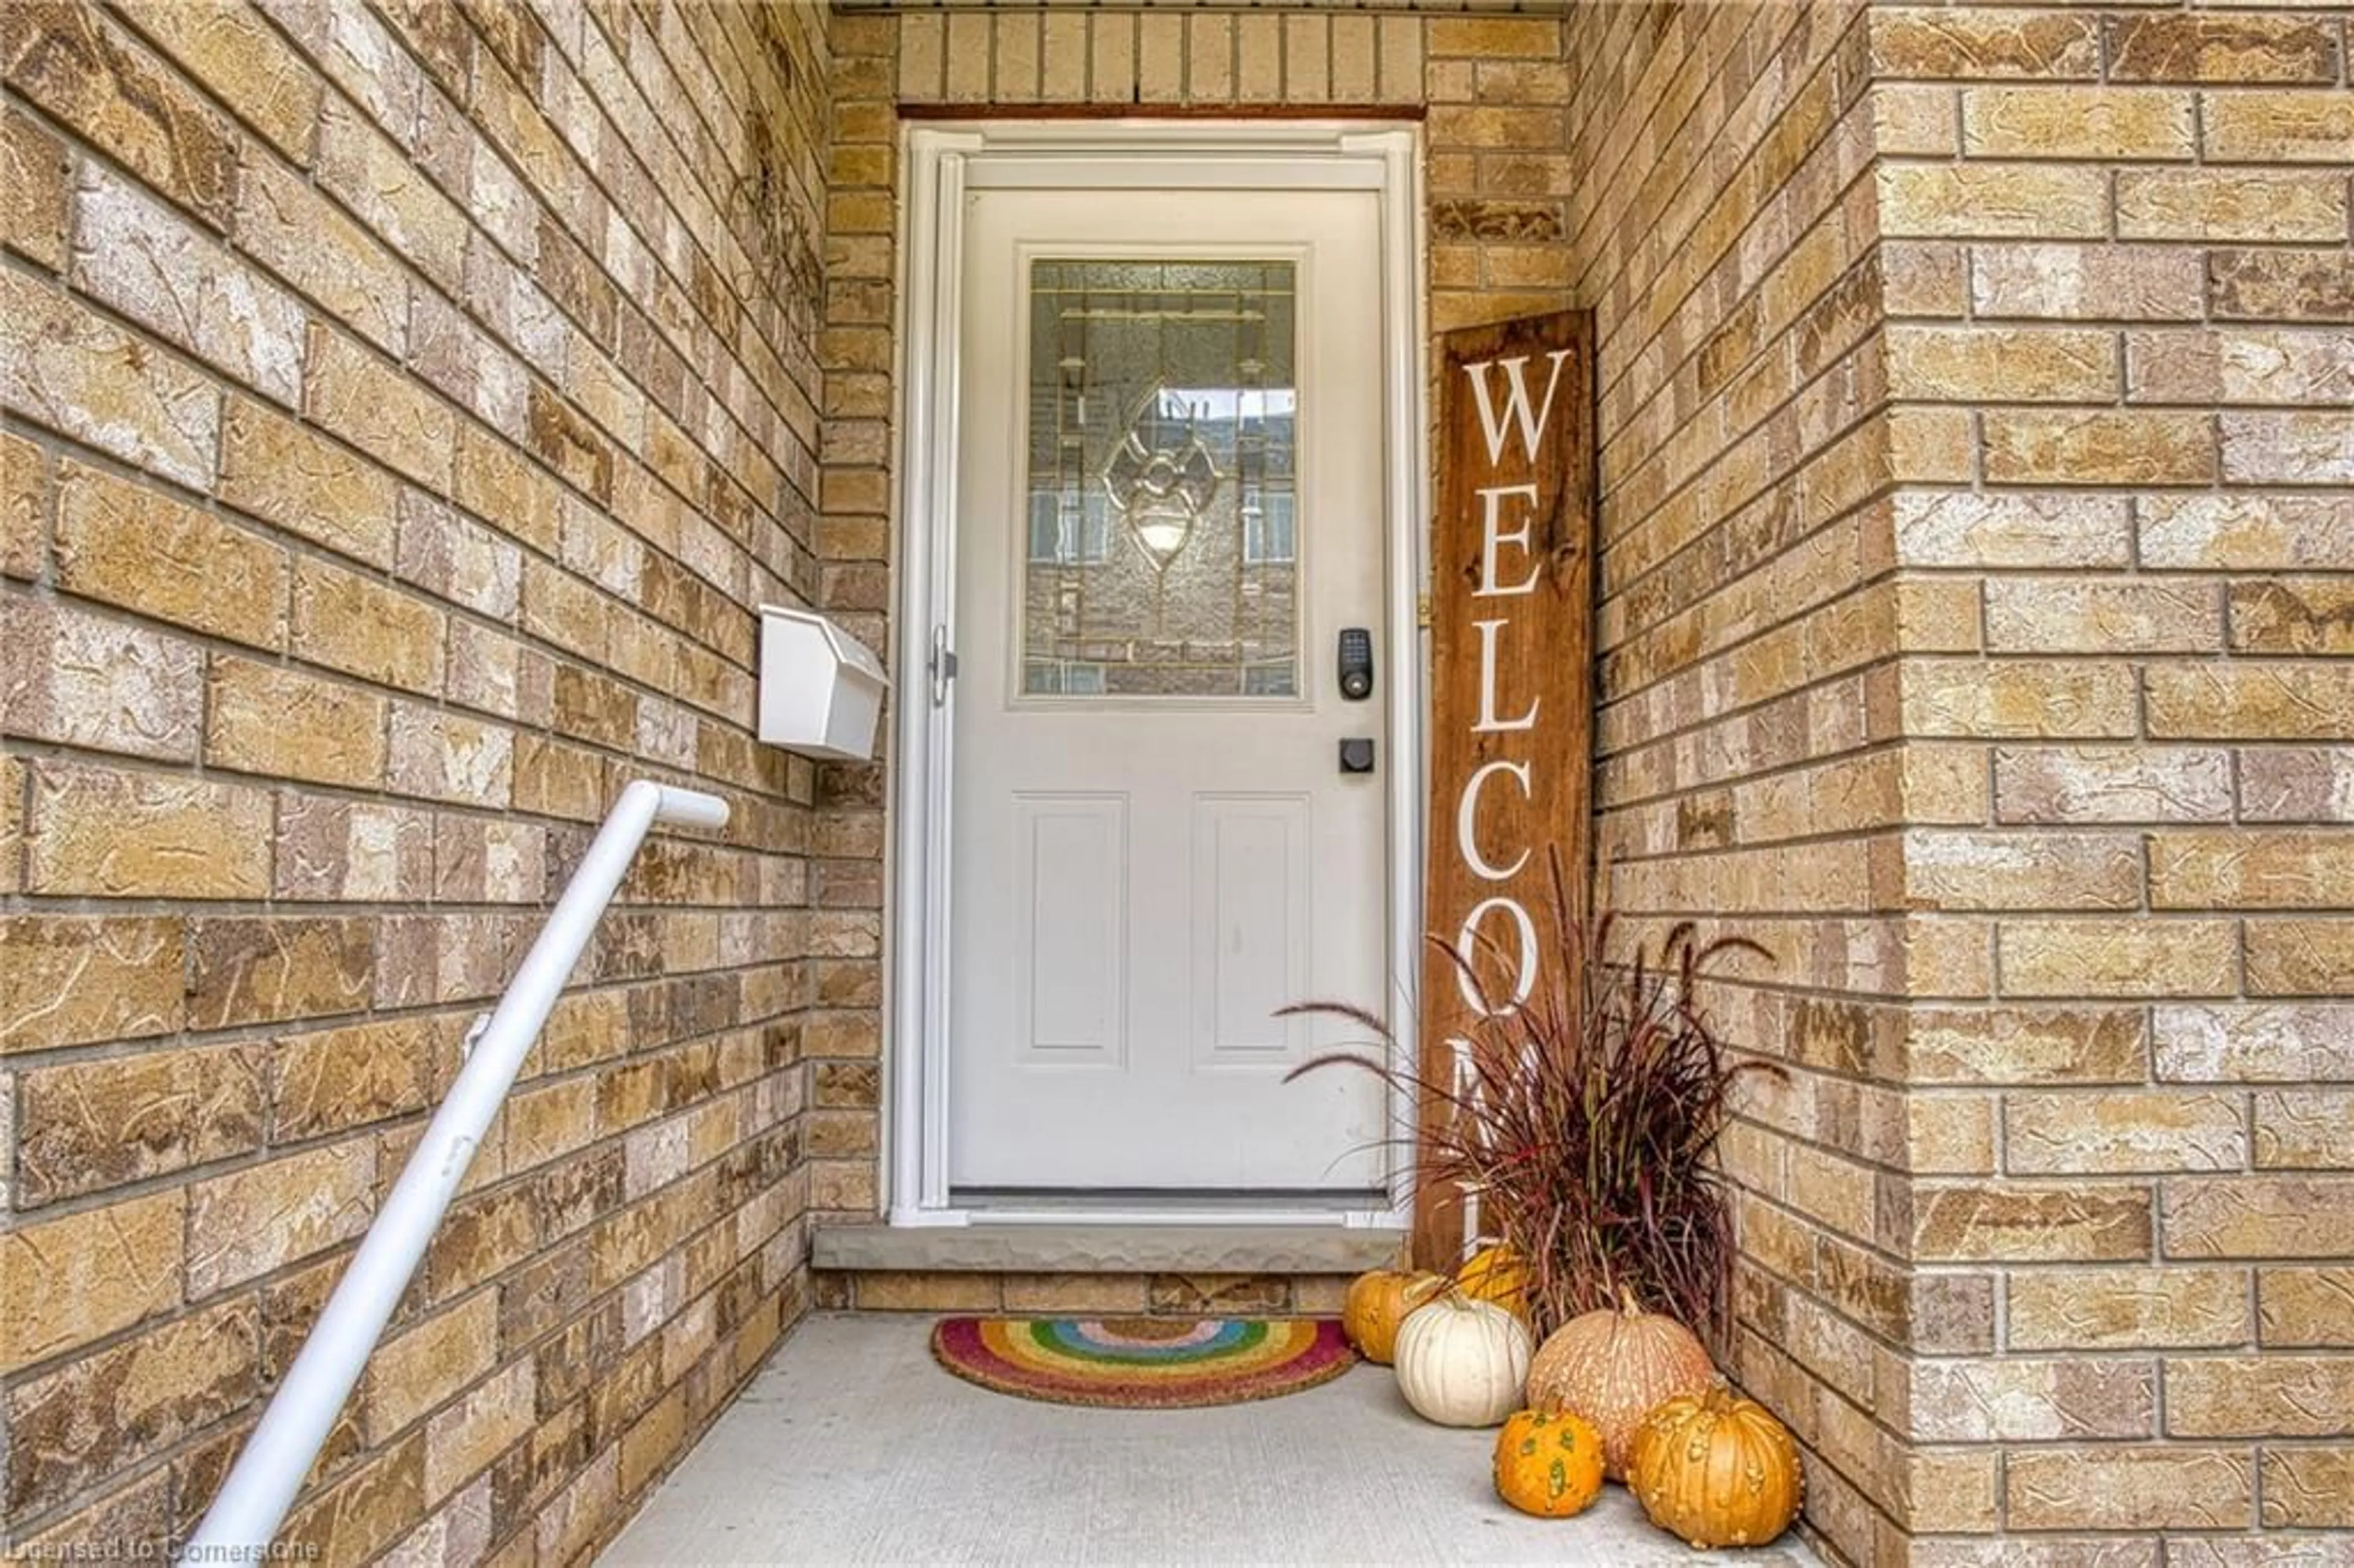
(1357, 755)
(943, 667)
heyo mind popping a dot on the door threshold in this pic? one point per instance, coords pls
(1059, 1245)
(1144, 1202)
(1371, 1210)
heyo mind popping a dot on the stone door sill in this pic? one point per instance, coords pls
(982, 1248)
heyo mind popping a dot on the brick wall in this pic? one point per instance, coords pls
(1495, 90)
(1723, 228)
(1976, 465)
(2125, 335)
(407, 403)
(405, 406)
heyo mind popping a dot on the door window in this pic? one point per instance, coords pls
(1163, 558)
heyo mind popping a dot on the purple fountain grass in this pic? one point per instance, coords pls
(1590, 1141)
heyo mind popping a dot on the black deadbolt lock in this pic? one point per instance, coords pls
(1357, 755)
(1357, 666)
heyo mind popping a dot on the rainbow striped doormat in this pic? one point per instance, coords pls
(1143, 1364)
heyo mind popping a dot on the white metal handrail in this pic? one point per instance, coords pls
(252, 1503)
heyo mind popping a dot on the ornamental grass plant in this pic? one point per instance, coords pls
(1586, 1119)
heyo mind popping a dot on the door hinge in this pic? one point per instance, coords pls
(1421, 610)
(943, 667)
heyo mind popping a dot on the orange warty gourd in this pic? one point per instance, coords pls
(1497, 1274)
(1378, 1302)
(1612, 1365)
(1550, 1465)
(1717, 1470)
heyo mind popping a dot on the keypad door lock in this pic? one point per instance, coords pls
(1356, 663)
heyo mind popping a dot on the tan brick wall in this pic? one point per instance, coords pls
(1494, 89)
(406, 404)
(1977, 483)
(2126, 336)
(1722, 226)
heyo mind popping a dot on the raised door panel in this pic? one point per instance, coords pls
(1070, 902)
(1251, 927)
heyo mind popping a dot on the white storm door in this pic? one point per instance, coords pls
(1170, 505)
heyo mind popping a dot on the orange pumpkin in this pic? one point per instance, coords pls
(1377, 1303)
(1497, 1274)
(1717, 1470)
(1546, 1465)
(1613, 1365)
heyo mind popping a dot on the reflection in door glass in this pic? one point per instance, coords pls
(1163, 555)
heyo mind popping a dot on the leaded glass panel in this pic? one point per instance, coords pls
(1163, 549)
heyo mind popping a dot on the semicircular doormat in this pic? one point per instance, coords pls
(1143, 1364)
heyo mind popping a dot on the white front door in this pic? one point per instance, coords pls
(1169, 506)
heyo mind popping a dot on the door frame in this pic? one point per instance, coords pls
(940, 161)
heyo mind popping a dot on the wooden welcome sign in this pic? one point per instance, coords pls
(1511, 754)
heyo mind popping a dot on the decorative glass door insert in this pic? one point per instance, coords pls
(1162, 479)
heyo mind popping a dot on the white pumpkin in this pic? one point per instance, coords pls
(1461, 1361)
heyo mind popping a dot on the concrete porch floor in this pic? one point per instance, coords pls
(852, 1447)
